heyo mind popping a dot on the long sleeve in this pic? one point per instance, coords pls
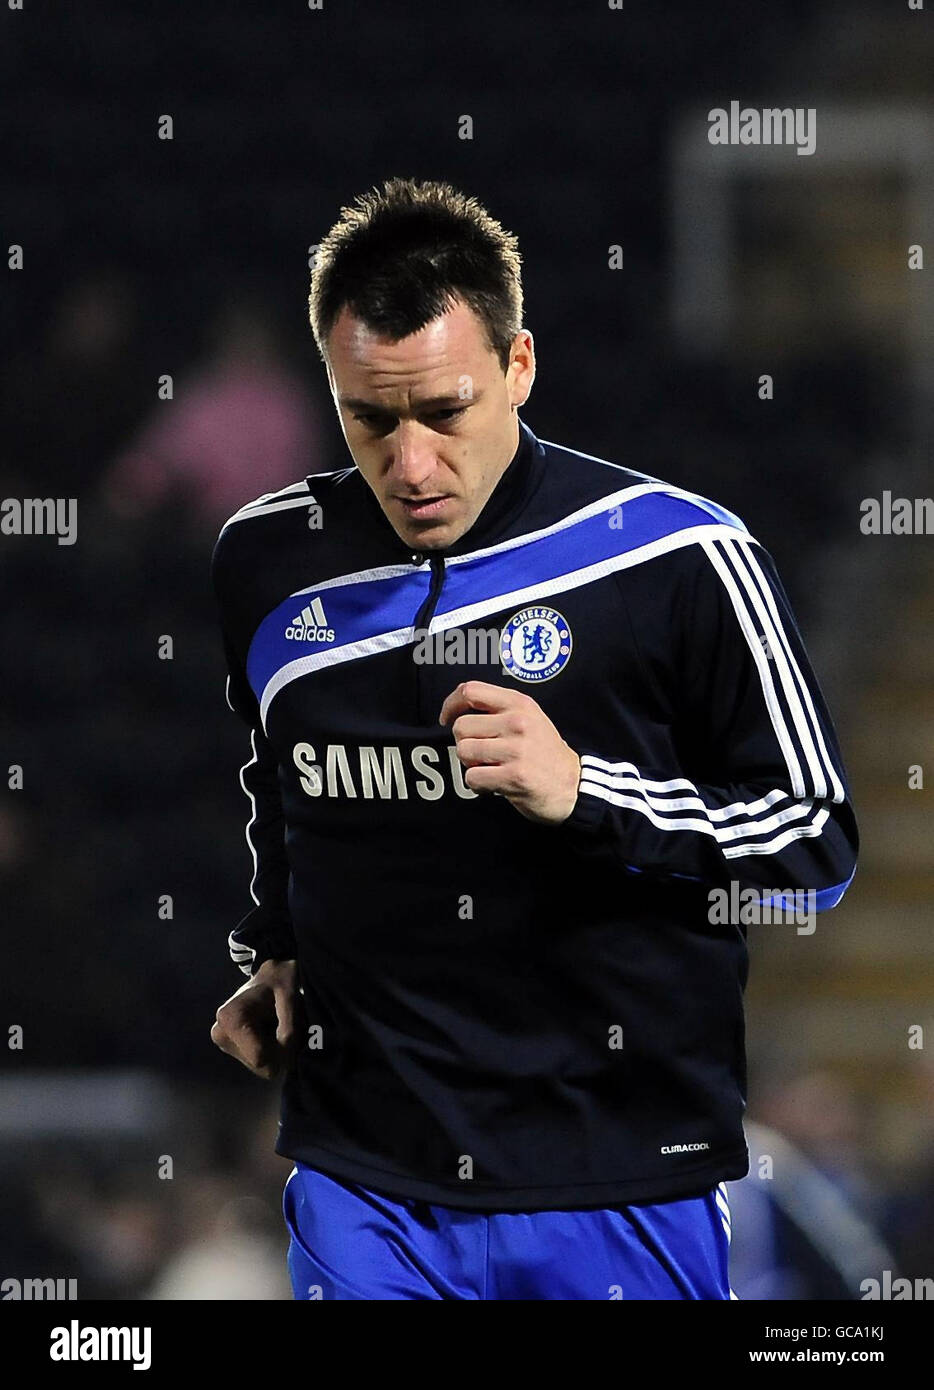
(266, 932)
(755, 789)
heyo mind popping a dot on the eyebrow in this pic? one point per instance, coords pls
(435, 403)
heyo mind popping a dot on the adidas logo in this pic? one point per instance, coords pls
(310, 625)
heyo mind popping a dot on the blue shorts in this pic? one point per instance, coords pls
(350, 1243)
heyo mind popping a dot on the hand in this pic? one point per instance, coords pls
(513, 748)
(259, 1024)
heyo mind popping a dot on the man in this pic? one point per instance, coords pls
(485, 946)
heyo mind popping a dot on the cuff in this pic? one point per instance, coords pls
(587, 813)
(251, 944)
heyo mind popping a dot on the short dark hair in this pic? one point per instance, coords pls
(401, 255)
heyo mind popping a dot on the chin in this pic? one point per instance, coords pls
(435, 537)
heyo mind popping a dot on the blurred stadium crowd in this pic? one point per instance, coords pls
(192, 261)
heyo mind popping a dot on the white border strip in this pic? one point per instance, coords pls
(824, 765)
(765, 674)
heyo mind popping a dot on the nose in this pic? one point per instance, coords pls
(413, 455)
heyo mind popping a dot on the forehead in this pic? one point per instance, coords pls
(455, 339)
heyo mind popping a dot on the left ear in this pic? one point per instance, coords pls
(522, 368)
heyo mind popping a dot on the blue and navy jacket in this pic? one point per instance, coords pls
(504, 1014)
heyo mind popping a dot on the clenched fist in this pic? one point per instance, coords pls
(259, 1025)
(508, 745)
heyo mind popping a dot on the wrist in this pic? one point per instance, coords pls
(271, 967)
(572, 779)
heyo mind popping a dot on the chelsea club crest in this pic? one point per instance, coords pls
(535, 644)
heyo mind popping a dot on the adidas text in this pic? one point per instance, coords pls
(310, 625)
(310, 634)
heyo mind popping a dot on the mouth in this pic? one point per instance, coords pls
(419, 507)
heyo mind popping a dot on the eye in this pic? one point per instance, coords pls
(374, 421)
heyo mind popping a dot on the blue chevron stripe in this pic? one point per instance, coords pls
(364, 609)
(356, 611)
(645, 519)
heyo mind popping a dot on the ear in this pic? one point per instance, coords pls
(521, 368)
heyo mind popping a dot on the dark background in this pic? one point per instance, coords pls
(145, 257)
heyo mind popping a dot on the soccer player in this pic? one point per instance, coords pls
(523, 721)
